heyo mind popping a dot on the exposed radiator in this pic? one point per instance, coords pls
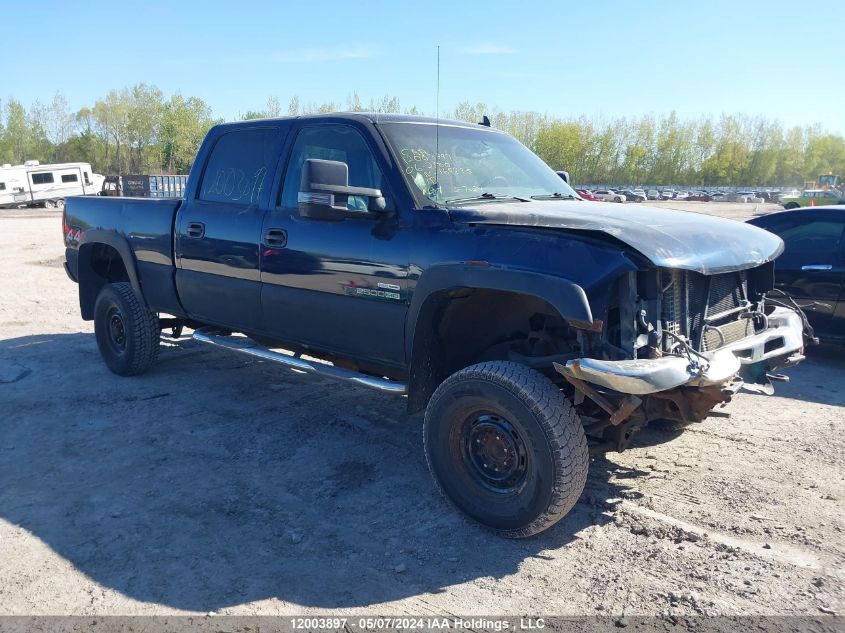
(705, 309)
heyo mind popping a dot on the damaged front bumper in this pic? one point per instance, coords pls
(749, 359)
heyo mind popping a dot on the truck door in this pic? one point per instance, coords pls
(336, 286)
(218, 230)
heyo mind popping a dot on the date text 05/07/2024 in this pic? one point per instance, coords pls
(414, 623)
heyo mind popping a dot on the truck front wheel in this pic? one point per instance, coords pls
(127, 333)
(505, 447)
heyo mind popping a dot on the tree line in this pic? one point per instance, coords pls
(139, 130)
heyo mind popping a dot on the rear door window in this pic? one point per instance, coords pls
(237, 168)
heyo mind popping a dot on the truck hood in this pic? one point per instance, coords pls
(670, 239)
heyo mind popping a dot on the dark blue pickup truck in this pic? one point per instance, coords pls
(445, 262)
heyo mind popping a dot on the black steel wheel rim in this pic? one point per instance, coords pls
(116, 330)
(494, 452)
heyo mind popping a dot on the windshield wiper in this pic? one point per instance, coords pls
(486, 196)
(556, 196)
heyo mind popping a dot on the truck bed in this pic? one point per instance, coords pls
(140, 226)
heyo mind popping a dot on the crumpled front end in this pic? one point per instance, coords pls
(678, 343)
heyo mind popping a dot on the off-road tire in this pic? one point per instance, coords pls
(139, 326)
(792, 205)
(540, 417)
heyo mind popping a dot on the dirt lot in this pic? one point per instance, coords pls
(220, 483)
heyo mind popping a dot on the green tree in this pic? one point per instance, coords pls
(143, 123)
(112, 117)
(565, 146)
(184, 124)
(19, 134)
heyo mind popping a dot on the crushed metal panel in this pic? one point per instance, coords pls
(672, 239)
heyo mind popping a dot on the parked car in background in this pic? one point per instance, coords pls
(641, 193)
(811, 269)
(812, 198)
(667, 194)
(699, 196)
(586, 194)
(609, 195)
(681, 195)
(653, 194)
(744, 196)
(632, 196)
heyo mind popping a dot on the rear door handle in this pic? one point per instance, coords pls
(196, 230)
(276, 238)
(816, 267)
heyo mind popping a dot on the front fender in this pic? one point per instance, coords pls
(569, 299)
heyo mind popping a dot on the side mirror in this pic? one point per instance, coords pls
(324, 191)
(564, 176)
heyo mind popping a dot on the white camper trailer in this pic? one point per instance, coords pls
(33, 184)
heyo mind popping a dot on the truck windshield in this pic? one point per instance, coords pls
(473, 165)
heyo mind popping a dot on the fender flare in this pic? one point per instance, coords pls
(567, 298)
(121, 245)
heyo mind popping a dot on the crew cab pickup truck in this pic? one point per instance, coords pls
(444, 262)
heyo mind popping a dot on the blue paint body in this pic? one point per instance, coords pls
(355, 288)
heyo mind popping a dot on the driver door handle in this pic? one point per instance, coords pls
(276, 238)
(816, 267)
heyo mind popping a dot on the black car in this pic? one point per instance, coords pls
(630, 196)
(812, 267)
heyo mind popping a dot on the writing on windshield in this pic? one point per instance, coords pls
(420, 165)
(469, 162)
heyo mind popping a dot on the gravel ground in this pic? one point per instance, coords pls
(220, 483)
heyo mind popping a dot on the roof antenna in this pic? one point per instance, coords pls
(435, 188)
(485, 121)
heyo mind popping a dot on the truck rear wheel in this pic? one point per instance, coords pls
(127, 333)
(505, 447)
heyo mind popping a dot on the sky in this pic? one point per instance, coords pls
(779, 59)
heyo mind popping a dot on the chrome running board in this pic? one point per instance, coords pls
(247, 346)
